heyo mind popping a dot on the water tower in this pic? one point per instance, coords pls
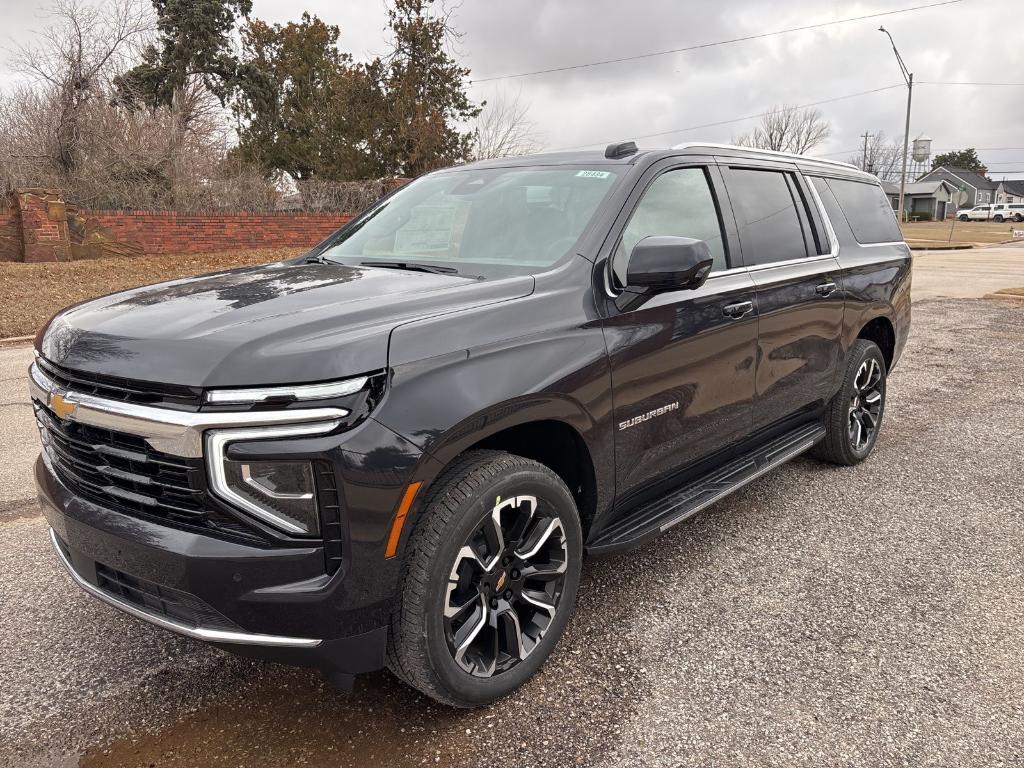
(920, 158)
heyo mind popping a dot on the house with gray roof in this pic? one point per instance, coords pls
(933, 199)
(974, 189)
(1010, 191)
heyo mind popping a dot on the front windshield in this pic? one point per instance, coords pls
(494, 221)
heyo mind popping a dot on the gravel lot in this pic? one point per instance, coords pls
(865, 616)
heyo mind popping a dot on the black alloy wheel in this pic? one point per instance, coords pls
(865, 404)
(505, 586)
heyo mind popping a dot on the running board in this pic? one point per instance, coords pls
(650, 520)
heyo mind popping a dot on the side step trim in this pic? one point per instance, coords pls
(656, 517)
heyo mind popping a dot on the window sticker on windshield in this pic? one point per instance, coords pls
(429, 229)
(594, 174)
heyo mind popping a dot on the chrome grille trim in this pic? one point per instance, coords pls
(178, 433)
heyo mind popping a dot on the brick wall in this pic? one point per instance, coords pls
(44, 225)
(158, 232)
(36, 225)
(10, 230)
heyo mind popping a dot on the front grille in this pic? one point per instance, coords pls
(123, 390)
(123, 472)
(172, 604)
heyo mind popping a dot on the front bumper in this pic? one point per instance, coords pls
(251, 601)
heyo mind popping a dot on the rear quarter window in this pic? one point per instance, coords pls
(867, 211)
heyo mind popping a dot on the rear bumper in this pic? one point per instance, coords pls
(272, 603)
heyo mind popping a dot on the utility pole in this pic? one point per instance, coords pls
(909, 77)
(864, 157)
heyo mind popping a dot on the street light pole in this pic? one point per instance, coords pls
(909, 77)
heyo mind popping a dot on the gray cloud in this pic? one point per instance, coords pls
(618, 101)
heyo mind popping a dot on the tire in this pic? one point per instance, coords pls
(998, 219)
(864, 378)
(453, 613)
(964, 217)
(1018, 217)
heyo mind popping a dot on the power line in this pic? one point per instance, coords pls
(701, 46)
(736, 119)
(955, 82)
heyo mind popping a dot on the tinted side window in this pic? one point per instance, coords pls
(678, 203)
(867, 210)
(767, 216)
(833, 211)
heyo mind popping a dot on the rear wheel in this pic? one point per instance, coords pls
(854, 416)
(998, 218)
(490, 579)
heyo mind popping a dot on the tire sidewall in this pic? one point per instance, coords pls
(472, 512)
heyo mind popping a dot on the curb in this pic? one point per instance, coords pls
(943, 248)
(1004, 296)
(16, 341)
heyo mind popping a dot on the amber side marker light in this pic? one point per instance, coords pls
(403, 509)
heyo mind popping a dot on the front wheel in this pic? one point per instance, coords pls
(854, 416)
(998, 219)
(490, 579)
(964, 217)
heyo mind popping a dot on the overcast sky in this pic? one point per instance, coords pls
(971, 41)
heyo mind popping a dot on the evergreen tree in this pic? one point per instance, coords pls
(424, 94)
(967, 159)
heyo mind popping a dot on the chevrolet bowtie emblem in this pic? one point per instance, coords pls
(61, 407)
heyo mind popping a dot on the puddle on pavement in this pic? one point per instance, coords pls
(295, 719)
(569, 714)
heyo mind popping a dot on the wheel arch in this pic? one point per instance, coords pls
(553, 431)
(881, 331)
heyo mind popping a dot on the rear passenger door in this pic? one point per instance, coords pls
(797, 282)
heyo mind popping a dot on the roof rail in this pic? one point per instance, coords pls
(770, 152)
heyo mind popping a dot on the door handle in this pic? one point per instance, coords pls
(826, 289)
(738, 310)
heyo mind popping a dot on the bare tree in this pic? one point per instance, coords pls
(504, 129)
(786, 128)
(73, 59)
(883, 157)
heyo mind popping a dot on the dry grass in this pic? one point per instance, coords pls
(1012, 291)
(926, 233)
(30, 294)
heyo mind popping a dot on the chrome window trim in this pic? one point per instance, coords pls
(217, 442)
(823, 214)
(179, 433)
(790, 262)
(198, 633)
(296, 392)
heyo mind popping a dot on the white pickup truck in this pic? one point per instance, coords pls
(997, 212)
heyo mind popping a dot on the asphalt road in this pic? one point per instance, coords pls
(821, 616)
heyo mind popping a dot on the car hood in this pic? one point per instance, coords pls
(279, 323)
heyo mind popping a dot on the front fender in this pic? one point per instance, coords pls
(459, 378)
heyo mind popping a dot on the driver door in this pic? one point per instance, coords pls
(682, 361)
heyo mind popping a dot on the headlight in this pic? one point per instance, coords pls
(280, 493)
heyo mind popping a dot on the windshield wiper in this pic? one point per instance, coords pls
(411, 266)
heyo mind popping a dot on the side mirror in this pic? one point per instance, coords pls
(662, 263)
